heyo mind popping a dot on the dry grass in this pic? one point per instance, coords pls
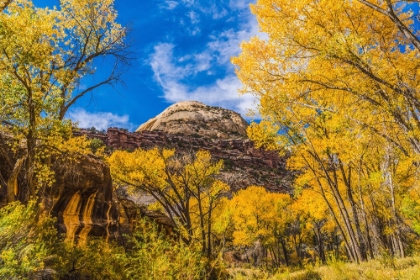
(382, 269)
(246, 273)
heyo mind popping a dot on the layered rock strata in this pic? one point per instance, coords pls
(244, 164)
(85, 203)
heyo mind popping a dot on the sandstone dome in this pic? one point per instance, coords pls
(194, 118)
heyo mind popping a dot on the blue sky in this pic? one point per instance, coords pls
(182, 49)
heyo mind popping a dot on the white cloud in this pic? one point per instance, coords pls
(214, 8)
(194, 17)
(227, 43)
(239, 4)
(194, 31)
(81, 86)
(217, 13)
(163, 65)
(203, 61)
(100, 120)
(170, 5)
(224, 92)
(188, 2)
(172, 71)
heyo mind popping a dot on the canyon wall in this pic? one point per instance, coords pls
(244, 164)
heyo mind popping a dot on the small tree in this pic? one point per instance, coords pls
(184, 185)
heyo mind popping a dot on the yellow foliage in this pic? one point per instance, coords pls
(45, 53)
(258, 214)
(338, 86)
(184, 185)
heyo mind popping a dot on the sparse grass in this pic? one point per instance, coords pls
(246, 273)
(376, 269)
(399, 269)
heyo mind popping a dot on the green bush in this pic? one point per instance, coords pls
(32, 249)
(95, 144)
(26, 241)
(154, 255)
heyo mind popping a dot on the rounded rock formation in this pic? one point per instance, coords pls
(194, 118)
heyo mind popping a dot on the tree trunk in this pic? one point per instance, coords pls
(350, 244)
(202, 226)
(359, 237)
(320, 243)
(285, 253)
(31, 146)
(209, 232)
(333, 184)
(399, 248)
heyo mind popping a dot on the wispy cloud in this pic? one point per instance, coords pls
(188, 2)
(215, 8)
(171, 77)
(239, 4)
(170, 5)
(176, 73)
(99, 120)
(194, 17)
(194, 31)
(216, 12)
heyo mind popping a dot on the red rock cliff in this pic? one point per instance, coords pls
(244, 164)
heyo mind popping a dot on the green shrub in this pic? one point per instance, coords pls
(26, 241)
(95, 144)
(155, 256)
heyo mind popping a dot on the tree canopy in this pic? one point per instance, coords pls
(338, 87)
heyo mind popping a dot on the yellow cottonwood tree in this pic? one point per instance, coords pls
(4, 4)
(184, 185)
(311, 205)
(339, 78)
(44, 54)
(260, 216)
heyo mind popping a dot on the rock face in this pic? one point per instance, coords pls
(82, 198)
(194, 118)
(130, 212)
(244, 165)
(83, 201)
(6, 166)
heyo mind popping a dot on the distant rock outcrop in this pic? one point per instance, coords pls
(244, 164)
(191, 126)
(194, 118)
